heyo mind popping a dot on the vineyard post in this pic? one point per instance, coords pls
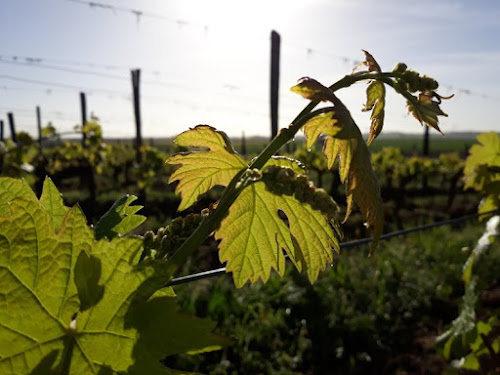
(425, 152)
(243, 144)
(12, 125)
(83, 105)
(275, 75)
(136, 73)
(39, 126)
(425, 149)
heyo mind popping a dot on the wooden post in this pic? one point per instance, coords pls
(39, 125)
(425, 153)
(83, 106)
(12, 125)
(136, 73)
(243, 144)
(425, 148)
(275, 75)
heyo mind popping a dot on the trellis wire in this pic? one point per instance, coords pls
(344, 245)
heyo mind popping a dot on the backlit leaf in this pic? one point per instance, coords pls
(202, 170)
(325, 123)
(482, 170)
(116, 323)
(425, 110)
(486, 153)
(11, 189)
(53, 203)
(120, 219)
(375, 102)
(371, 63)
(363, 189)
(261, 224)
(344, 141)
(311, 89)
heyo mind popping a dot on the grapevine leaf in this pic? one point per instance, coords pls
(485, 354)
(425, 110)
(375, 102)
(325, 123)
(51, 199)
(344, 148)
(487, 151)
(492, 230)
(311, 89)
(482, 170)
(49, 326)
(120, 219)
(371, 63)
(202, 170)
(362, 188)
(489, 203)
(11, 189)
(261, 224)
(346, 143)
(481, 156)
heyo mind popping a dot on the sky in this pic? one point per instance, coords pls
(208, 62)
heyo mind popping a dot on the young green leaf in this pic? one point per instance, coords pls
(344, 140)
(120, 219)
(482, 170)
(325, 123)
(311, 89)
(375, 102)
(261, 224)
(425, 110)
(114, 324)
(344, 147)
(52, 200)
(202, 170)
(370, 62)
(486, 153)
(362, 188)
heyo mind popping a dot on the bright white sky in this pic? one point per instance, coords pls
(209, 61)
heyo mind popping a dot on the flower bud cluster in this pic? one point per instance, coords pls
(411, 81)
(253, 174)
(167, 239)
(284, 181)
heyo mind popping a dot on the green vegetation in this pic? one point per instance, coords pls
(79, 299)
(377, 315)
(73, 304)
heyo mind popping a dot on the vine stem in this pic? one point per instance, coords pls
(239, 182)
(68, 354)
